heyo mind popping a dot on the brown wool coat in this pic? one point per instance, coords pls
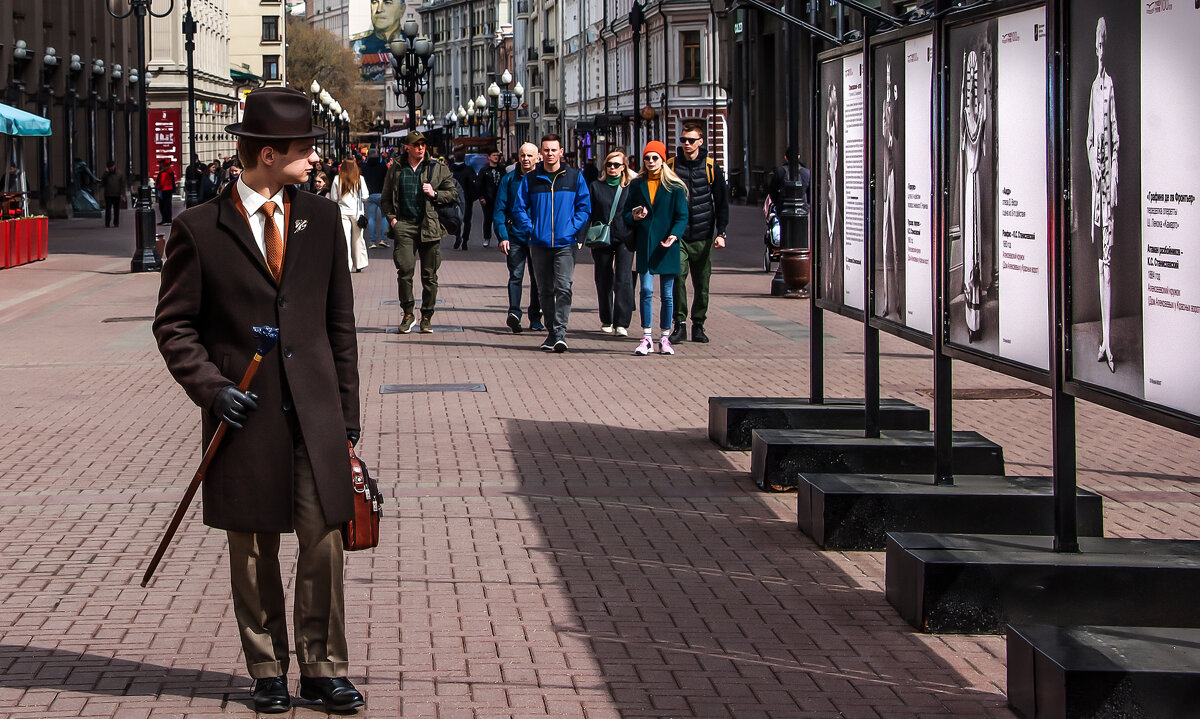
(215, 288)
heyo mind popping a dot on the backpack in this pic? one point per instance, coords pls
(451, 216)
(708, 167)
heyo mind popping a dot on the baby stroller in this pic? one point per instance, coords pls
(770, 236)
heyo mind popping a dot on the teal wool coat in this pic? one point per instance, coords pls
(668, 216)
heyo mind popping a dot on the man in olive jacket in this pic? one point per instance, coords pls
(263, 253)
(415, 186)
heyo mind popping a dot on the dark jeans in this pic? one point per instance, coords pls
(553, 267)
(614, 283)
(465, 233)
(405, 251)
(164, 205)
(487, 220)
(112, 211)
(517, 255)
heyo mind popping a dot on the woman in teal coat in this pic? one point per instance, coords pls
(657, 210)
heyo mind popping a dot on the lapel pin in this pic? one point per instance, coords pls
(299, 225)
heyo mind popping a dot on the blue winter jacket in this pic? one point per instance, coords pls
(502, 216)
(552, 210)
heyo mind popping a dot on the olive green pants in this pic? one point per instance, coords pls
(406, 249)
(696, 261)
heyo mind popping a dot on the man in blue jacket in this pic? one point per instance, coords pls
(553, 206)
(515, 243)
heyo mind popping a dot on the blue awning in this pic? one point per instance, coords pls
(21, 123)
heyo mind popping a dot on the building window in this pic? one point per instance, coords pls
(690, 56)
(270, 67)
(270, 30)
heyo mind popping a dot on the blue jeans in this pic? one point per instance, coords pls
(517, 256)
(376, 225)
(666, 284)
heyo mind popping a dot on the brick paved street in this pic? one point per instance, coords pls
(567, 543)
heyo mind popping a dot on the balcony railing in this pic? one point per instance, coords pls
(533, 55)
(547, 47)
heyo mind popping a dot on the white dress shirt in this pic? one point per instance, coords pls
(253, 202)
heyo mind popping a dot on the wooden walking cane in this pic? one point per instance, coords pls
(267, 337)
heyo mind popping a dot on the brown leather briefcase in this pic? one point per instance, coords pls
(362, 532)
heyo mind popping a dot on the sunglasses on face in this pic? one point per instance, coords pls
(689, 140)
(614, 164)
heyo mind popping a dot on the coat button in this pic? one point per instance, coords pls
(282, 302)
(287, 406)
(287, 353)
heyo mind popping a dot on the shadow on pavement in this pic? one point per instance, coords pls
(57, 669)
(695, 598)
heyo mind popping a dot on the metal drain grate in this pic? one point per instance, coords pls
(418, 388)
(992, 393)
(128, 319)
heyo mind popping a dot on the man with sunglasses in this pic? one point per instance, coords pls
(708, 217)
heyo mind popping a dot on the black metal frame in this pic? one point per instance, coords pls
(1138, 407)
(894, 37)
(834, 55)
(971, 16)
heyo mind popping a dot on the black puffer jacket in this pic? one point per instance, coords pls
(602, 201)
(708, 204)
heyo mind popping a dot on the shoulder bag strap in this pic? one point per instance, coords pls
(612, 211)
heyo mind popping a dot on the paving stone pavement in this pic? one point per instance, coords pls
(567, 543)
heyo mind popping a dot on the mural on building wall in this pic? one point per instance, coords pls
(374, 24)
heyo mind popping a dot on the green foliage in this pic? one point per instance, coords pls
(314, 54)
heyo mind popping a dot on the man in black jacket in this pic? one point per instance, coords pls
(374, 170)
(466, 178)
(488, 185)
(708, 216)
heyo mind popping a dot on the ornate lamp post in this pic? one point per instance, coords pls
(115, 76)
(412, 61)
(143, 255)
(45, 93)
(507, 100)
(470, 117)
(462, 117)
(93, 102)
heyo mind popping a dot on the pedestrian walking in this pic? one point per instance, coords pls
(657, 209)
(193, 178)
(708, 217)
(113, 183)
(488, 184)
(350, 192)
(613, 263)
(164, 183)
(466, 179)
(413, 190)
(514, 243)
(210, 184)
(553, 206)
(266, 252)
(374, 171)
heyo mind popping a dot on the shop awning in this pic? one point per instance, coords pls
(21, 123)
(235, 74)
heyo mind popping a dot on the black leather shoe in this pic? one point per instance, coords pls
(338, 695)
(271, 696)
(698, 333)
(679, 334)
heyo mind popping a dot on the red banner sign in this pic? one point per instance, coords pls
(166, 139)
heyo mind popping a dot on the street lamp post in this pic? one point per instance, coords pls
(96, 78)
(143, 255)
(412, 62)
(189, 33)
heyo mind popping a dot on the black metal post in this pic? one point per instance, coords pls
(871, 419)
(189, 33)
(816, 317)
(92, 102)
(943, 367)
(144, 259)
(1066, 521)
(70, 95)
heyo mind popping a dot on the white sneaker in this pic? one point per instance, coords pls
(644, 347)
(606, 329)
(485, 243)
(622, 332)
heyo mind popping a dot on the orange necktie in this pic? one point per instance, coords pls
(272, 240)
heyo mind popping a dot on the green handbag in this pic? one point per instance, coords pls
(598, 235)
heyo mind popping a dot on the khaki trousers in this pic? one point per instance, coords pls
(408, 248)
(258, 601)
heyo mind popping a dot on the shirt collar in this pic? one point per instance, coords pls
(253, 201)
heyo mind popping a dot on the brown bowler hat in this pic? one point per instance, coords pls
(276, 113)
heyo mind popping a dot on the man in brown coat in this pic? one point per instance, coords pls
(262, 253)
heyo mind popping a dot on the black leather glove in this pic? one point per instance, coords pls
(231, 406)
(352, 435)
